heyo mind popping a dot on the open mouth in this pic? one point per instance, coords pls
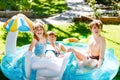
(39, 33)
(96, 31)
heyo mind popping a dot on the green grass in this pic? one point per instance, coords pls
(78, 30)
(2, 37)
(45, 8)
(39, 8)
(111, 34)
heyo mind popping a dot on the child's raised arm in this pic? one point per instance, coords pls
(33, 43)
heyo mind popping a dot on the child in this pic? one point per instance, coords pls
(96, 47)
(55, 48)
(39, 39)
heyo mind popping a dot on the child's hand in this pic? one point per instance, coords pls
(70, 50)
(97, 65)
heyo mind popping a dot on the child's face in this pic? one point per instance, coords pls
(95, 30)
(38, 31)
(52, 38)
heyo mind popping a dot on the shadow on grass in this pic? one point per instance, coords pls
(113, 41)
(61, 33)
(80, 28)
(48, 7)
(77, 30)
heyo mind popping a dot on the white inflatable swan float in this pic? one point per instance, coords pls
(21, 64)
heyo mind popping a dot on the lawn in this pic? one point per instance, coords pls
(79, 30)
(111, 33)
(46, 8)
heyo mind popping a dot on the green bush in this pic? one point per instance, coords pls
(40, 8)
(106, 2)
(3, 5)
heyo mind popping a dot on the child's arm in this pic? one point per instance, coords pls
(63, 48)
(33, 43)
(102, 51)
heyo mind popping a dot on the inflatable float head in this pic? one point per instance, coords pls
(18, 22)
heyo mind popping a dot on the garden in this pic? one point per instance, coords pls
(79, 30)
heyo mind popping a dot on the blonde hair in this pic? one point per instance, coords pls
(98, 23)
(37, 25)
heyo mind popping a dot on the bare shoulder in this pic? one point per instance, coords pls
(34, 42)
(102, 39)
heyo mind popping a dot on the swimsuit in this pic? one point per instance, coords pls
(55, 52)
(94, 57)
(50, 48)
(39, 49)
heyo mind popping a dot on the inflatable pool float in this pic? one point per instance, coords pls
(106, 71)
(20, 64)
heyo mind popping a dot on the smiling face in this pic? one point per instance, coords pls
(95, 30)
(38, 31)
(96, 27)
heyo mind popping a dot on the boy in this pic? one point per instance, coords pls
(96, 48)
(55, 48)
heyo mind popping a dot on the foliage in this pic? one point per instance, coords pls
(15, 5)
(25, 5)
(45, 8)
(108, 4)
(2, 38)
(2, 5)
(40, 8)
(80, 29)
(116, 7)
(92, 5)
(24, 38)
(61, 31)
(105, 2)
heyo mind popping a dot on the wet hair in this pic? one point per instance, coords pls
(98, 23)
(37, 25)
(51, 33)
